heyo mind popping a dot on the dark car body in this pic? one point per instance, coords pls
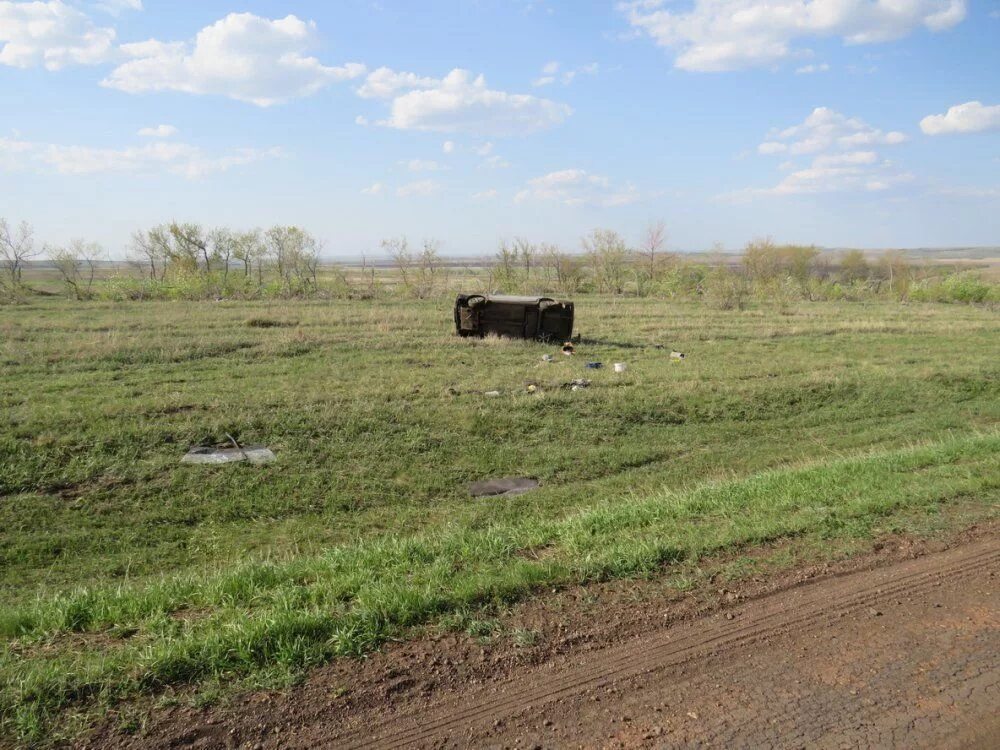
(540, 318)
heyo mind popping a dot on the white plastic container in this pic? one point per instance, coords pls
(620, 367)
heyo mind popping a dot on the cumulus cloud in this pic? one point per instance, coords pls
(718, 35)
(577, 187)
(179, 159)
(971, 117)
(457, 103)
(485, 195)
(242, 56)
(841, 156)
(825, 128)
(160, 131)
(52, 34)
(376, 188)
(419, 188)
(448, 147)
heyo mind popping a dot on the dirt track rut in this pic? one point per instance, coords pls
(904, 656)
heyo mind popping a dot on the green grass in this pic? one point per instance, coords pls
(124, 572)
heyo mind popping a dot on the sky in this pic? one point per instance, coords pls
(841, 123)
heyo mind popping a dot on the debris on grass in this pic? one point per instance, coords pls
(255, 454)
(270, 323)
(577, 384)
(547, 358)
(620, 367)
(504, 486)
(492, 394)
(677, 355)
(225, 453)
(568, 349)
(594, 365)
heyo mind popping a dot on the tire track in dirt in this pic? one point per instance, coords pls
(804, 610)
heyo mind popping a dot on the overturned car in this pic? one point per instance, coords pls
(540, 318)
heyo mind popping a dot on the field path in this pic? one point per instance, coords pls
(902, 655)
(905, 656)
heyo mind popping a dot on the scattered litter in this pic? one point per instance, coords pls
(532, 388)
(547, 358)
(577, 384)
(450, 391)
(568, 349)
(505, 486)
(620, 367)
(594, 365)
(492, 394)
(228, 453)
(677, 355)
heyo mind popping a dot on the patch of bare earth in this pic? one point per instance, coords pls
(895, 647)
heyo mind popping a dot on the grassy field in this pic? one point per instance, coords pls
(124, 572)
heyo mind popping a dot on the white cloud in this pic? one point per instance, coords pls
(485, 195)
(495, 162)
(717, 35)
(361, 120)
(420, 188)
(842, 156)
(772, 147)
(805, 69)
(376, 188)
(179, 159)
(824, 129)
(576, 187)
(422, 165)
(448, 147)
(52, 34)
(458, 103)
(971, 117)
(486, 149)
(160, 131)
(550, 74)
(385, 83)
(117, 7)
(241, 56)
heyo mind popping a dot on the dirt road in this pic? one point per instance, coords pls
(901, 656)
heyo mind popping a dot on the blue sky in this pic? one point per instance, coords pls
(837, 122)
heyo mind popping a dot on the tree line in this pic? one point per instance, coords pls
(190, 261)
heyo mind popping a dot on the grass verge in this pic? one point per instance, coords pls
(102, 645)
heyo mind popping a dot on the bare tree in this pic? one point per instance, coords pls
(223, 247)
(296, 257)
(17, 247)
(527, 253)
(608, 254)
(398, 249)
(567, 269)
(505, 273)
(190, 242)
(145, 253)
(77, 264)
(653, 241)
(248, 249)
